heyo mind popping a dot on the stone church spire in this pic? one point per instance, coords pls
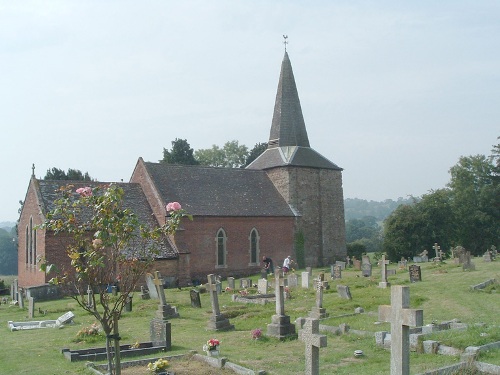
(288, 127)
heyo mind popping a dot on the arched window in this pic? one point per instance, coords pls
(34, 245)
(221, 240)
(27, 243)
(31, 241)
(254, 247)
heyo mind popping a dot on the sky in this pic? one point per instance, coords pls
(394, 92)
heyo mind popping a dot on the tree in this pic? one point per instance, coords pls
(73, 175)
(8, 252)
(255, 152)
(107, 245)
(181, 153)
(232, 155)
(356, 249)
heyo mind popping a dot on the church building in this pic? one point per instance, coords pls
(289, 201)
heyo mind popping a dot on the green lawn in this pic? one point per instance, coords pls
(443, 294)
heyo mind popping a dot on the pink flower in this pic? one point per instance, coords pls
(173, 206)
(84, 191)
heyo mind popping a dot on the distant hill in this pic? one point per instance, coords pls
(356, 208)
(7, 225)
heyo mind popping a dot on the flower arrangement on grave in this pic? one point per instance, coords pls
(212, 344)
(135, 345)
(228, 289)
(244, 292)
(157, 366)
(256, 334)
(90, 333)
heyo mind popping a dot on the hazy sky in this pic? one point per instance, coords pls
(394, 92)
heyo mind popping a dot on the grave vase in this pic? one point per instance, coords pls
(213, 351)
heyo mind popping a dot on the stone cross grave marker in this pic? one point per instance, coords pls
(348, 261)
(165, 311)
(305, 279)
(415, 273)
(90, 297)
(313, 340)
(437, 249)
(467, 264)
(318, 312)
(383, 264)
(335, 272)
(280, 326)
(401, 318)
(218, 321)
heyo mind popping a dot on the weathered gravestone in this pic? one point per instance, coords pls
(383, 273)
(487, 256)
(401, 318)
(344, 292)
(467, 264)
(144, 293)
(305, 279)
(263, 274)
(90, 297)
(415, 273)
(318, 312)
(245, 283)
(293, 280)
(128, 303)
(313, 340)
(280, 326)
(341, 264)
(335, 272)
(309, 270)
(262, 286)
(151, 286)
(347, 261)
(230, 282)
(218, 284)
(391, 272)
(356, 263)
(20, 300)
(195, 298)
(31, 307)
(217, 322)
(366, 270)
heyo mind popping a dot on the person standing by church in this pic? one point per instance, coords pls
(268, 264)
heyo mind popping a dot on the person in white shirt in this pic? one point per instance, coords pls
(286, 264)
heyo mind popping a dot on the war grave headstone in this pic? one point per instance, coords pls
(262, 286)
(305, 279)
(335, 272)
(293, 280)
(467, 264)
(151, 286)
(344, 291)
(230, 282)
(415, 273)
(383, 273)
(318, 311)
(217, 322)
(31, 308)
(341, 264)
(313, 340)
(401, 318)
(280, 326)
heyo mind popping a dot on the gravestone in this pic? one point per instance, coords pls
(366, 269)
(402, 264)
(262, 286)
(305, 279)
(458, 252)
(245, 283)
(467, 264)
(365, 259)
(217, 322)
(280, 326)
(318, 312)
(348, 261)
(357, 264)
(336, 272)
(424, 256)
(195, 298)
(20, 300)
(341, 264)
(90, 297)
(383, 273)
(218, 284)
(344, 291)
(128, 304)
(165, 311)
(401, 318)
(65, 318)
(391, 272)
(487, 256)
(31, 307)
(309, 270)
(160, 333)
(230, 282)
(313, 340)
(438, 251)
(144, 293)
(263, 274)
(293, 280)
(151, 286)
(415, 273)
(16, 290)
(12, 295)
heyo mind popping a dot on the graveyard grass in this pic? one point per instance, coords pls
(443, 294)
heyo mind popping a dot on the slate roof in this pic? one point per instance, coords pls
(211, 191)
(288, 141)
(133, 199)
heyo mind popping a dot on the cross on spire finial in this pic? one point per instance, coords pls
(285, 42)
(33, 170)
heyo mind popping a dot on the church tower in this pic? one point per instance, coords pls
(310, 183)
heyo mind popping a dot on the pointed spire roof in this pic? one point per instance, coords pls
(288, 141)
(288, 127)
